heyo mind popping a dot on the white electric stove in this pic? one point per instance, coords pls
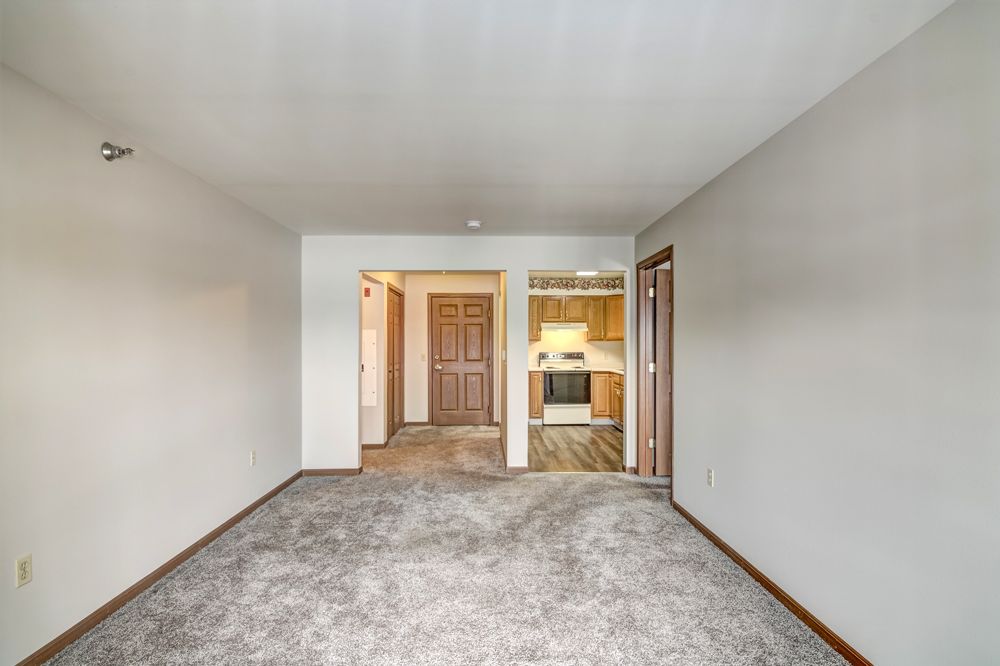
(566, 388)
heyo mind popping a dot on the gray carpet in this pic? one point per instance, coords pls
(434, 556)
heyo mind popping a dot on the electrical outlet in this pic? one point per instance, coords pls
(253, 457)
(22, 570)
(710, 478)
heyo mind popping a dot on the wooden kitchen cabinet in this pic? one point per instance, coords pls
(535, 396)
(575, 309)
(617, 400)
(552, 308)
(534, 318)
(600, 395)
(595, 317)
(614, 317)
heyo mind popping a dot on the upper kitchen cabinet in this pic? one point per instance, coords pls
(614, 317)
(595, 317)
(534, 318)
(552, 309)
(575, 309)
(564, 309)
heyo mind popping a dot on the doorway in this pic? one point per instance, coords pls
(655, 278)
(460, 347)
(576, 371)
(395, 381)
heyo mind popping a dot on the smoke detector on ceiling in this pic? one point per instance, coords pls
(473, 225)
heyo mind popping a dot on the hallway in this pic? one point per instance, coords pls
(435, 556)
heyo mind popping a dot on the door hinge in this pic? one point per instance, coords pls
(652, 292)
(652, 367)
(652, 443)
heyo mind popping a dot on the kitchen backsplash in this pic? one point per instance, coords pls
(598, 354)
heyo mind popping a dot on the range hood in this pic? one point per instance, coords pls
(560, 326)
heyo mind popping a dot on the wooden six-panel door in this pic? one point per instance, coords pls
(461, 373)
(394, 363)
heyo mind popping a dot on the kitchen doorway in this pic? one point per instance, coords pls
(576, 371)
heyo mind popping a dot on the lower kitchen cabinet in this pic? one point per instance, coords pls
(600, 395)
(617, 400)
(535, 398)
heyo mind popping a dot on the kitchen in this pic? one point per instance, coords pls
(576, 348)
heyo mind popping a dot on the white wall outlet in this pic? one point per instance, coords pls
(22, 570)
(710, 478)
(253, 457)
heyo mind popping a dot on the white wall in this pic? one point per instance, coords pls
(330, 266)
(150, 340)
(837, 350)
(373, 316)
(419, 285)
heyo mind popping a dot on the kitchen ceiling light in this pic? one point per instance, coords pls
(586, 273)
(473, 225)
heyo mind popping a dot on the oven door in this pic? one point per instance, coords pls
(567, 388)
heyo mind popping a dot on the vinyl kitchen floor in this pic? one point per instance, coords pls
(574, 448)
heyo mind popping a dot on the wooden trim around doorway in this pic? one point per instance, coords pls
(430, 351)
(402, 357)
(832, 639)
(645, 346)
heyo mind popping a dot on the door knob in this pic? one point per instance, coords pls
(438, 366)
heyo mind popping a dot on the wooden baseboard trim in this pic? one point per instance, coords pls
(417, 423)
(629, 470)
(495, 424)
(503, 453)
(56, 645)
(333, 471)
(517, 470)
(811, 621)
(374, 446)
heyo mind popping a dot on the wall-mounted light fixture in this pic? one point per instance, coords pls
(112, 152)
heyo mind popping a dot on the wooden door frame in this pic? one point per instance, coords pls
(401, 351)
(430, 349)
(645, 346)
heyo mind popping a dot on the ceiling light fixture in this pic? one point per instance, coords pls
(473, 225)
(586, 273)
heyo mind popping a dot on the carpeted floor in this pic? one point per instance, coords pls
(435, 556)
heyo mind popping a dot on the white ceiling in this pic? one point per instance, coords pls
(535, 116)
